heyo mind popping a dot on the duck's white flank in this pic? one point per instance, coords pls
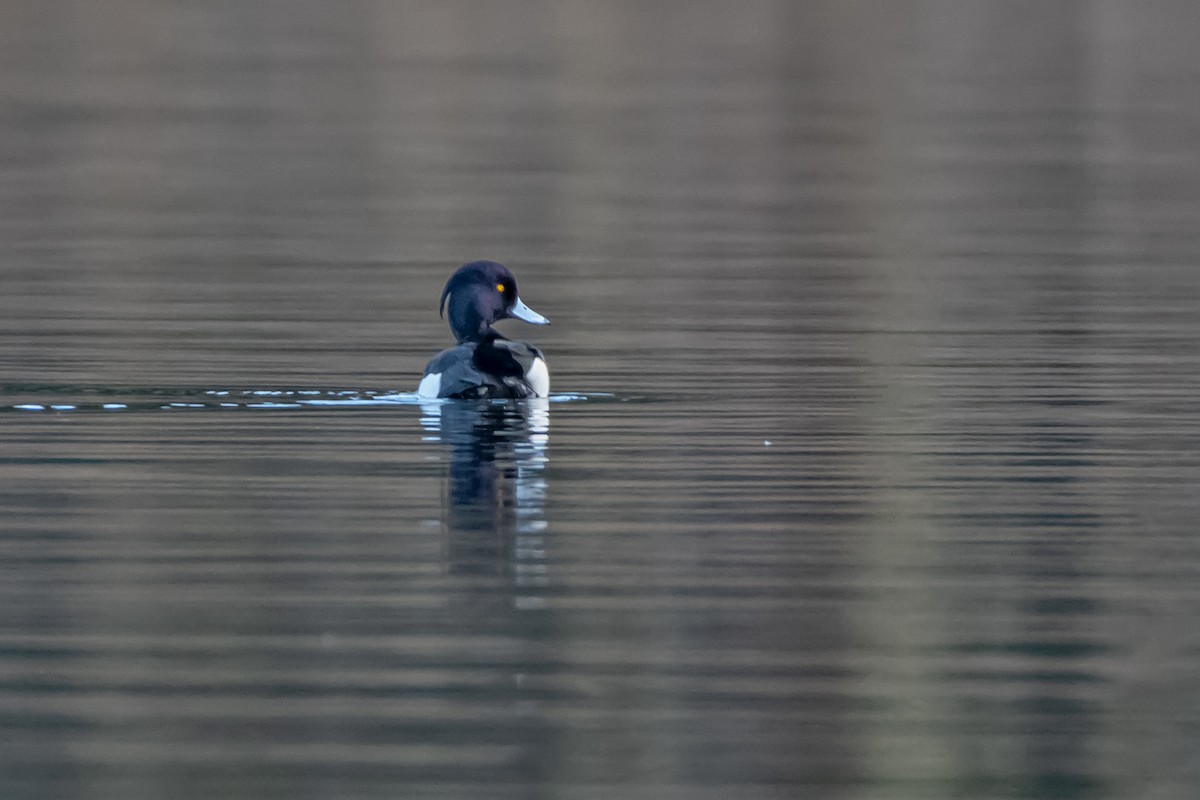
(431, 384)
(538, 377)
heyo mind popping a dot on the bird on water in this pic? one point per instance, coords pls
(484, 363)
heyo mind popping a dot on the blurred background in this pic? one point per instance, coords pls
(885, 313)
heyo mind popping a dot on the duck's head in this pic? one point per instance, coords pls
(479, 294)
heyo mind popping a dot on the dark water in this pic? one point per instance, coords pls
(872, 466)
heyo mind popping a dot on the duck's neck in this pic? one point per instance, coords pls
(478, 333)
(472, 328)
(467, 324)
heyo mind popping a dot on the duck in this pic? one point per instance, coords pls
(484, 364)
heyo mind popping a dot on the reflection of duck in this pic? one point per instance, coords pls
(484, 364)
(495, 492)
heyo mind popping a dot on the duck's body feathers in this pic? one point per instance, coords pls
(500, 368)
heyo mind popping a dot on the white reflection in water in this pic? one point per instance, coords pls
(494, 494)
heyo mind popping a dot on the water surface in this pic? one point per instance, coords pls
(871, 467)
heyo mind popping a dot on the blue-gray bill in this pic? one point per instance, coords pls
(522, 311)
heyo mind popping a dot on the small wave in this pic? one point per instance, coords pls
(190, 399)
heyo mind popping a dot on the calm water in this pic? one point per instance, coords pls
(872, 466)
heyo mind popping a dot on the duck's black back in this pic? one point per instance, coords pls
(494, 368)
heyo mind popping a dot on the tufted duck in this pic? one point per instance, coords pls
(484, 364)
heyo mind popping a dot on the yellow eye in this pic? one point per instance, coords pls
(499, 287)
